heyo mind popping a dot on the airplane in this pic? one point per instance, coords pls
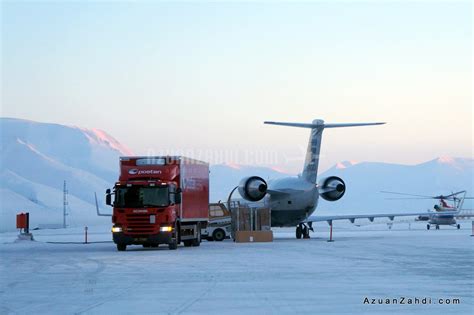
(444, 213)
(292, 200)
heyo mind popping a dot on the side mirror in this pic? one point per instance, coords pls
(177, 196)
(108, 197)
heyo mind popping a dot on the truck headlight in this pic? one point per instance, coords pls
(116, 229)
(166, 229)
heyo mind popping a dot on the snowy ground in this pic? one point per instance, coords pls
(286, 276)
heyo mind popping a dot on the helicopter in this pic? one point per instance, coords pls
(444, 214)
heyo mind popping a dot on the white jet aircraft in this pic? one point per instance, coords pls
(292, 200)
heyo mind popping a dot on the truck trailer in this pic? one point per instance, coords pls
(159, 200)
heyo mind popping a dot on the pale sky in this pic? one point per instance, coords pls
(200, 78)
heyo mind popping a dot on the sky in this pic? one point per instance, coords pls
(199, 78)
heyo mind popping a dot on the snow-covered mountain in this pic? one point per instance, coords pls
(37, 157)
(365, 181)
(35, 160)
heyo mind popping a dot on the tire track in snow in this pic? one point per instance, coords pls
(185, 306)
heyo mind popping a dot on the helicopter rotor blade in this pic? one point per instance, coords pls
(405, 194)
(408, 198)
(453, 194)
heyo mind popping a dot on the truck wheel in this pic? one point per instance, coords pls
(121, 247)
(218, 235)
(173, 245)
(188, 243)
(175, 237)
(177, 228)
(197, 241)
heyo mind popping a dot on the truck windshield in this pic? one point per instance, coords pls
(139, 197)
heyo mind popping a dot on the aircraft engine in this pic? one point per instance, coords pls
(253, 188)
(332, 188)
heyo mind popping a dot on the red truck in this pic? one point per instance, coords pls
(159, 200)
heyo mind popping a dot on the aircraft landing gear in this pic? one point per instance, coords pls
(437, 226)
(427, 226)
(458, 226)
(302, 230)
(299, 231)
(305, 232)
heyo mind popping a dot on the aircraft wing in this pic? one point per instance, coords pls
(371, 217)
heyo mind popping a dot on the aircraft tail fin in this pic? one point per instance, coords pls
(311, 163)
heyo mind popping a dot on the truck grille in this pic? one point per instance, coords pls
(138, 224)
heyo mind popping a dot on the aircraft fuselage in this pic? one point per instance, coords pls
(294, 205)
